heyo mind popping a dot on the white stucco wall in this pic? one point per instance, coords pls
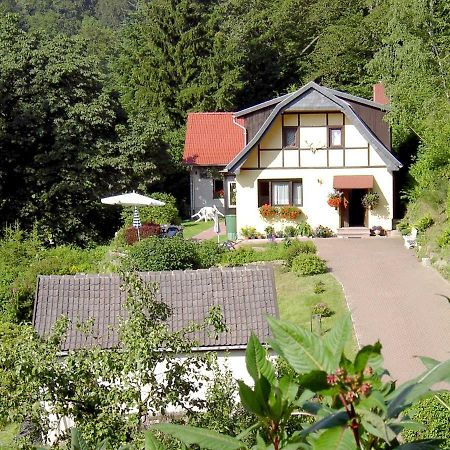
(316, 165)
(317, 184)
(202, 192)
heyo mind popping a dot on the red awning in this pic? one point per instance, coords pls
(353, 182)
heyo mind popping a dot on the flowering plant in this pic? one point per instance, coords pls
(219, 193)
(370, 200)
(268, 211)
(289, 212)
(334, 198)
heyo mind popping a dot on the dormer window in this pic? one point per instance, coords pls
(290, 137)
(335, 137)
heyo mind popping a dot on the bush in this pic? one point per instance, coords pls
(208, 254)
(147, 230)
(157, 253)
(424, 223)
(308, 264)
(404, 227)
(290, 231)
(270, 232)
(167, 214)
(444, 239)
(304, 229)
(319, 287)
(323, 232)
(296, 248)
(249, 232)
(323, 309)
(239, 257)
(434, 415)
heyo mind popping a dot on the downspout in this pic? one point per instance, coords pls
(191, 190)
(243, 128)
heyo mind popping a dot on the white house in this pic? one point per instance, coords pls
(302, 146)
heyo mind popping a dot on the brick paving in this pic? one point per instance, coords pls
(393, 298)
(209, 233)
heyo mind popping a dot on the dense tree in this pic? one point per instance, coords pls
(64, 141)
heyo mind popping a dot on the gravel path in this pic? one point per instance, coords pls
(393, 298)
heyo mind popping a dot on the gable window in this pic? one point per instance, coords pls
(280, 192)
(290, 137)
(217, 188)
(335, 137)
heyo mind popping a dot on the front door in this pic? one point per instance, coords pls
(354, 215)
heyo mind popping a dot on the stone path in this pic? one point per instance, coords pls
(209, 233)
(393, 298)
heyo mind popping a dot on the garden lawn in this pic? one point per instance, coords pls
(191, 228)
(296, 298)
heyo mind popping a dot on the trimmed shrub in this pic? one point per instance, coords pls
(208, 254)
(239, 257)
(308, 264)
(296, 248)
(323, 232)
(156, 253)
(249, 232)
(147, 230)
(323, 309)
(434, 415)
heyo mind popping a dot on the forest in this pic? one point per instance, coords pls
(94, 94)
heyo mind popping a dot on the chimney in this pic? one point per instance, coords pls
(379, 96)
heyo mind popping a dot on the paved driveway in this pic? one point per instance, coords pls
(392, 298)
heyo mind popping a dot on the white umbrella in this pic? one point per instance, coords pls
(132, 199)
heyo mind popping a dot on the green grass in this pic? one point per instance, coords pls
(7, 434)
(191, 228)
(296, 297)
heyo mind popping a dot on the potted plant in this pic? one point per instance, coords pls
(289, 212)
(377, 230)
(268, 211)
(370, 200)
(270, 232)
(334, 199)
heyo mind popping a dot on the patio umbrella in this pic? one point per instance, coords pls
(217, 224)
(132, 199)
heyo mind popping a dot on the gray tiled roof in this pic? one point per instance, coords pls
(246, 295)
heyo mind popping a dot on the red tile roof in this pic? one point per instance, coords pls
(212, 139)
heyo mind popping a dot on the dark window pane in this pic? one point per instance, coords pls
(289, 136)
(263, 193)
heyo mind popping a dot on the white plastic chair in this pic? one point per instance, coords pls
(411, 239)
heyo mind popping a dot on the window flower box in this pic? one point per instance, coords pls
(268, 211)
(289, 212)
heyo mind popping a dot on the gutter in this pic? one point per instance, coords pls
(243, 128)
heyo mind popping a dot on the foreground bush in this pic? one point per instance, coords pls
(308, 264)
(131, 235)
(351, 403)
(156, 253)
(239, 257)
(208, 254)
(297, 247)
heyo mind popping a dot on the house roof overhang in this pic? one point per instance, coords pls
(353, 182)
(283, 103)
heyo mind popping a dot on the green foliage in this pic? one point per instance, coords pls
(296, 248)
(308, 264)
(157, 253)
(370, 200)
(319, 287)
(104, 391)
(239, 257)
(352, 406)
(270, 231)
(23, 257)
(323, 232)
(304, 229)
(249, 232)
(323, 309)
(404, 227)
(444, 239)
(209, 254)
(167, 214)
(424, 223)
(433, 413)
(291, 231)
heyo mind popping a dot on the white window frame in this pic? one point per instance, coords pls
(230, 205)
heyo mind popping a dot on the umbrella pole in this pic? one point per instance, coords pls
(139, 234)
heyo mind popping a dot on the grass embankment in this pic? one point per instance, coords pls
(296, 298)
(7, 435)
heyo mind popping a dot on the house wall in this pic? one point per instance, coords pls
(202, 191)
(316, 163)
